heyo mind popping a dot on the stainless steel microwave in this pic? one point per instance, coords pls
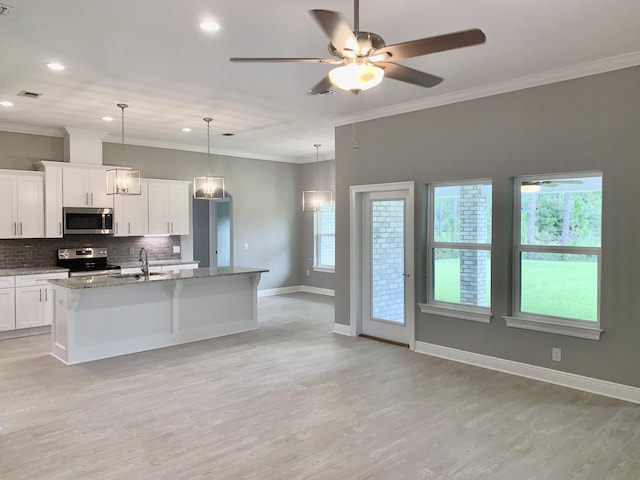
(88, 220)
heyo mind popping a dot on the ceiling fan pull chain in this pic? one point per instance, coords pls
(354, 132)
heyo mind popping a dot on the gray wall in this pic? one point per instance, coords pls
(579, 125)
(19, 151)
(313, 176)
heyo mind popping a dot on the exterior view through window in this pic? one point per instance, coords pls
(325, 233)
(459, 253)
(558, 234)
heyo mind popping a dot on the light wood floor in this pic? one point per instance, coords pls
(294, 401)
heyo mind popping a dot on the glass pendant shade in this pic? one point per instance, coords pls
(208, 188)
(313, 200)
(356, 77)
(122, 181)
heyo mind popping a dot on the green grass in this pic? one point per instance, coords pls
(557, 288)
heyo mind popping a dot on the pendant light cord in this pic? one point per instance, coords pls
(122, 106)
(208, 120)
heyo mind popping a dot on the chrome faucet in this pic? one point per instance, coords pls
(145, 262)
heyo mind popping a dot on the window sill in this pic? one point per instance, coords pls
(457, 312)
(324, 269)
(539, 325)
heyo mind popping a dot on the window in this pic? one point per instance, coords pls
(325, 237)
(557, 254)
(459, 250)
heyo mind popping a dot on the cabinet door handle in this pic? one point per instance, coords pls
(46, 295)
(129, 227)
(60, 228)
(86, 199)
(15, 228)
(171, 227)
(20, 228)
(92, 199)
(40, 294)
(168, 229)
(116, 227)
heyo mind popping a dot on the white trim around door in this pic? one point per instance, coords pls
(356, 287)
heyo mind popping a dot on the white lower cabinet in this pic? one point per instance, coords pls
(34, 300)
(7, 304)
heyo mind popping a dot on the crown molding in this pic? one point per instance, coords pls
(31, 130)
(544, 78)
(143, 142)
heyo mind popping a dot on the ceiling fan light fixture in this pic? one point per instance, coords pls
(356, 77)
(530, 188)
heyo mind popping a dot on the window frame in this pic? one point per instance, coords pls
(317, 238)
(549, 323)
(438, 307)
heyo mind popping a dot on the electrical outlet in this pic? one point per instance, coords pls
(307, 272)
(246, 246)
(176, 249)
(556, 354)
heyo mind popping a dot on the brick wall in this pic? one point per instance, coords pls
(41, 252)
(388, 260)
(473, 229)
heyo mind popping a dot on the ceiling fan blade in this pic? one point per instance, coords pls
(330, 61)
(409, 75)
(428, 45)
(337, 29)
(320, 88)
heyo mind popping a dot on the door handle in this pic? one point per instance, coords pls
(168, 229)
(92, 199)
(86, 199)
(129, 227)
(41, 295)
(171, 227)
(20, 228)
(60, 228)
(116, 228)
(406, 275)
(15, 228)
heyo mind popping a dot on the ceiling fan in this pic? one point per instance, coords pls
(534, 186)
(364, 59)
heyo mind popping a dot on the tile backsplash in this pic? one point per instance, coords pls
(41, 252)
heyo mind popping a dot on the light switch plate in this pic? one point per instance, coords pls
(176, 249)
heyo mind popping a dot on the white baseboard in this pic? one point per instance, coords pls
(25, 332)
(318, 290)
(341, 329)
(295, 289)
(279, 291)
(571, 380)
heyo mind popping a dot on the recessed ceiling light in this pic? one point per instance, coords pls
(107, 119)
(186, 129)
(210, 26)
(56, 67)
(6, 103)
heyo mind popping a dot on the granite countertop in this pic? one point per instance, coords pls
(158, 263)
(136, 279)
(10, 272)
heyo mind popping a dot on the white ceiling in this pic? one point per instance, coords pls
(152, 55)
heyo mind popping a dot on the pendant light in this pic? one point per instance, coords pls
(313, 200)
(208, 187)
(123, 181)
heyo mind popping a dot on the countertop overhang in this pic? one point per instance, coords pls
(100, 281)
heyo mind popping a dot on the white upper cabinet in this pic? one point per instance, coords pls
(131, 218)
(85, 187)
(168, 207)
(53, 201)
(22, 195)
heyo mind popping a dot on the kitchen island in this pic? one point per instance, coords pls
(111, 315)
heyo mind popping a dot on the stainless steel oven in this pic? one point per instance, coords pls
(88, 220)
(85, 261)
